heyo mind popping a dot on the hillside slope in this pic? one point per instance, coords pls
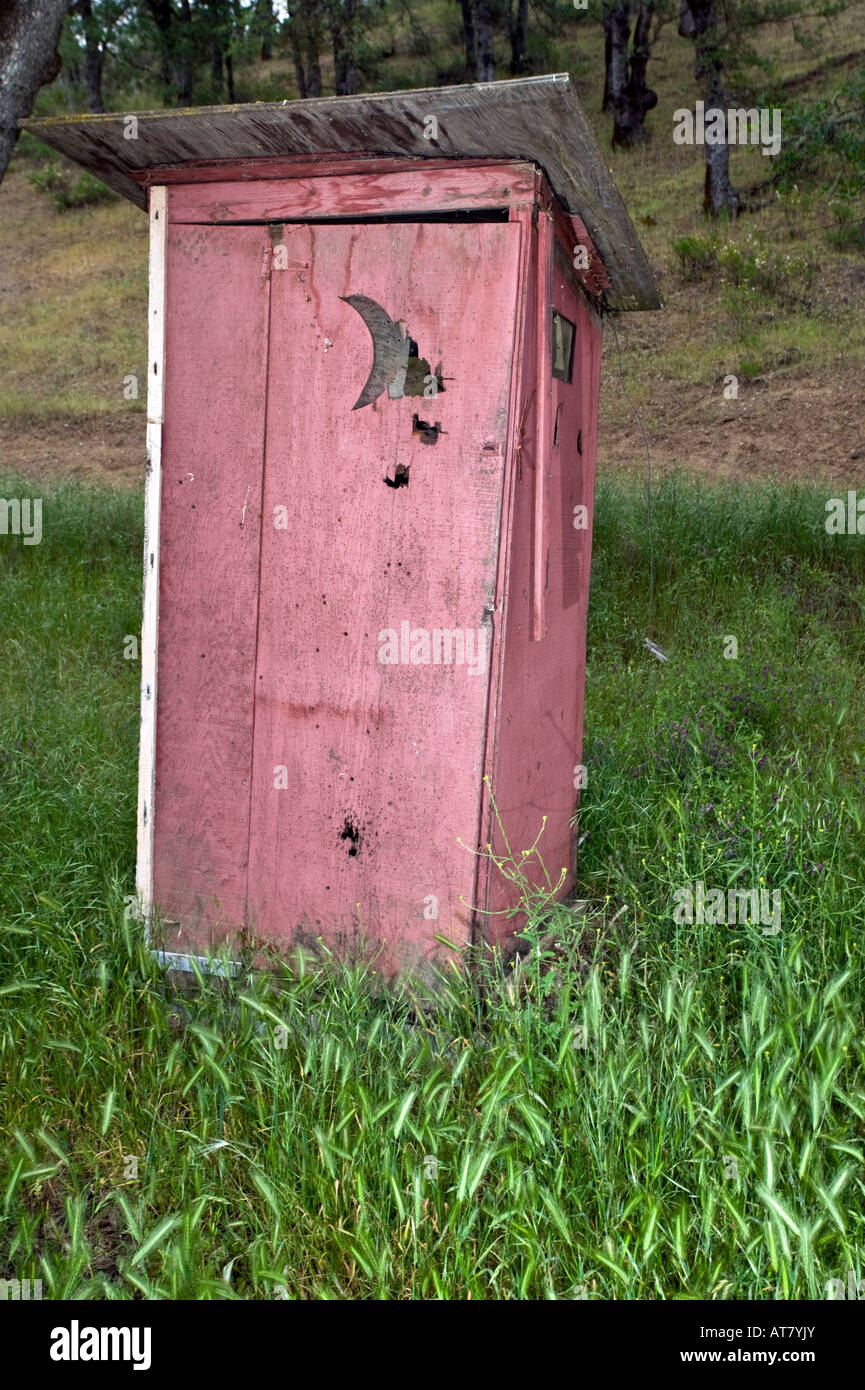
(73, 297)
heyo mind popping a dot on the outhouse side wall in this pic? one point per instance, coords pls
(537, 734)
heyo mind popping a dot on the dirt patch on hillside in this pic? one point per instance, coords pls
(99, 448)
(787, 428)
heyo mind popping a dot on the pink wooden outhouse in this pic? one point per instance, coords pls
(374, 352)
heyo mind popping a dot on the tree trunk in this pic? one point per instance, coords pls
(687, 23)
(342, 32)
(183, 69)
(93, 57)
(29, 34)
(297, 56)
(184, 64)
(312, 30)
(637, 98)
(608, 54)
(485, 69)
(304, 35)
(162, 16)
(216, 65)
(264, 12)
(470, 42)
(617, 32)
(517, 29)
(699, 20)
(176, 44)
(719, 195)
(71, 74)
(221, 34)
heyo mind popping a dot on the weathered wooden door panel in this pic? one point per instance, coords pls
(212, 457)
(380, 530)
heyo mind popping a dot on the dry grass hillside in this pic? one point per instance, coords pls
(73, 293)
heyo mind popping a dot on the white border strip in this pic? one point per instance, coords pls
(173, 960)
(152, 502)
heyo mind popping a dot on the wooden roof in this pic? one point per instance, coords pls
(534, 118)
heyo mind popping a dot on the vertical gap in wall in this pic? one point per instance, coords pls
(267, 317)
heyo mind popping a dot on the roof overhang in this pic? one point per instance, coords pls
(533, 118)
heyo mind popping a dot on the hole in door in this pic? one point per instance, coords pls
(400, 476)
(428, 433)
(351, 833)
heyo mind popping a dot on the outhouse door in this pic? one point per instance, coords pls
(333, 459)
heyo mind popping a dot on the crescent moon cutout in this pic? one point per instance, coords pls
(390, 350)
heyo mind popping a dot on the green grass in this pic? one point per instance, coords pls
(648, 1111)
(77, 330)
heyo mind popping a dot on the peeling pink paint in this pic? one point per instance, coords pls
(370, 598)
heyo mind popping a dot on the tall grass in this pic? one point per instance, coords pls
(645, 1110)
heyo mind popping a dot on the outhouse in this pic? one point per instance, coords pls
(374, 352)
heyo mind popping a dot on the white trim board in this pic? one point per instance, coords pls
(152, 503)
